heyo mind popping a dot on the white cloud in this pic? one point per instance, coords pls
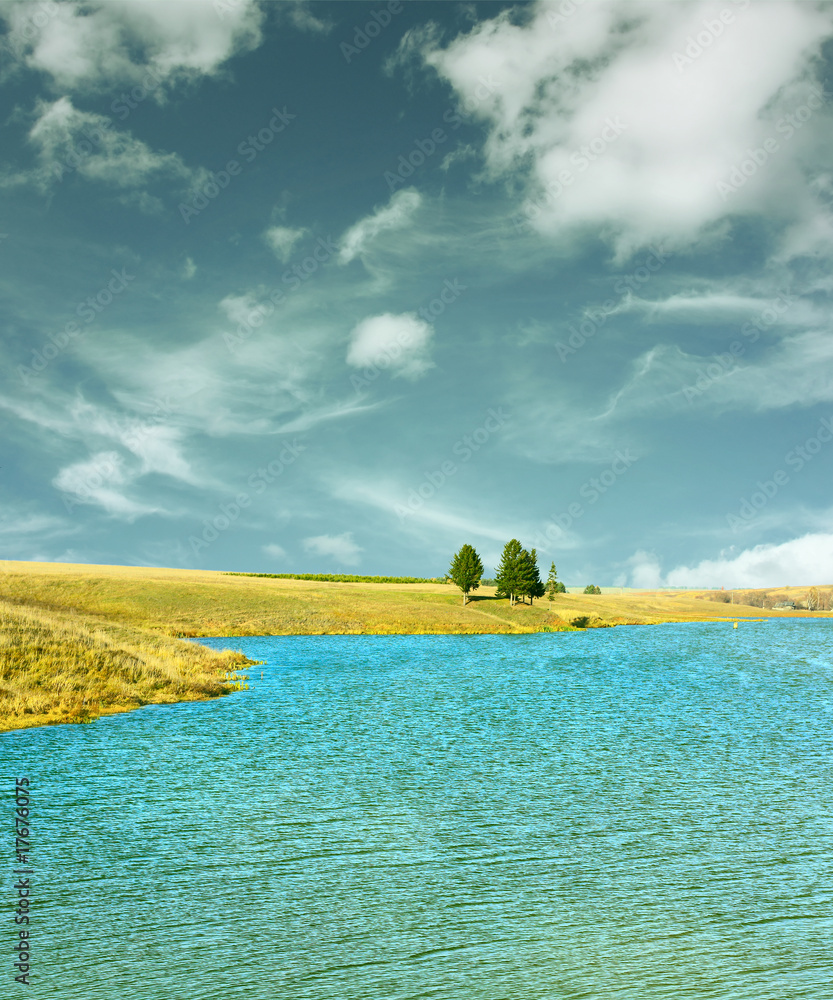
(398, 344)
(608, 132)
(281, 240)
(151, 444)
(397, 213)
(645, 571)
(101, 480)
(189, 269)
(303, 19)
(806, 560)
(342, 548)
(275, 551)
(584, 426)
(67, 140)
(92, 46)
(796, 371)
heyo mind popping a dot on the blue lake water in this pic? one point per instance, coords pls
(629, 813)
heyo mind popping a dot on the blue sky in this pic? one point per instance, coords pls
(338, 287)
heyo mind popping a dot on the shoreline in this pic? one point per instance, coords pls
(115, 635)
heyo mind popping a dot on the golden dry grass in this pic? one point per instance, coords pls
(57, 666)
(82, 639)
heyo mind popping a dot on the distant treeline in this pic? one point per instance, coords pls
(343, 578)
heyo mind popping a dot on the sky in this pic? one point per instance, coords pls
(339, 287)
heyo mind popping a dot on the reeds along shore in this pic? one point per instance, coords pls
(80, 641)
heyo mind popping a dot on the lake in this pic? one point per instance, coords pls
(629, 813)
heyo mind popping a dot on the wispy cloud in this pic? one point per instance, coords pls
(281, 240)
(68, 141)
(395, 215)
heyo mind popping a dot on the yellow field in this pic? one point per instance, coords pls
(80, 640)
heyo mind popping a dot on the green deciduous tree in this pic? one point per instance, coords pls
(466, 570)
(590, 589)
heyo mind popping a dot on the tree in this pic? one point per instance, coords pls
(590, 589)
(507, 575)
(813, 599)
(530, 579)
(552, 583)
(517, 575)
(466, 570)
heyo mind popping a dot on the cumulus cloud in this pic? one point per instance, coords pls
(281, 240)
(607, 126)
(92, 46)
(275, 551)
(399, 344)
(395, 215)
(342, 548)
(805, 560)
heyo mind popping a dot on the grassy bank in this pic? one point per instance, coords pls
(58, 666)
(202, 603)
(80, 640)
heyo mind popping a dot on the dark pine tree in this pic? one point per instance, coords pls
(530, 585)
(552, 583)
(508, 578)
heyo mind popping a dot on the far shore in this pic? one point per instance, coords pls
(128, 620)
